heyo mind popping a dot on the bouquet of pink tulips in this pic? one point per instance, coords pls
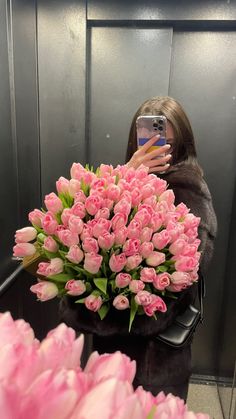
(39, 380)
(112, 238)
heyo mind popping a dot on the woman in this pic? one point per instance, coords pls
(159, 367)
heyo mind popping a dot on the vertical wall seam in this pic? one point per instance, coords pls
(87, 88)
(37, 102)
(171, 59)
(10, 50)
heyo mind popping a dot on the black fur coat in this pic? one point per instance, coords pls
(158, 367)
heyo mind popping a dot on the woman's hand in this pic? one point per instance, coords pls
(156, 160)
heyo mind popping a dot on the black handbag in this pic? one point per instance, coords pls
(181, 331)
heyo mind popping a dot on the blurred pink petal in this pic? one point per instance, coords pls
(107, 365)
(60, 348)
(103, 401)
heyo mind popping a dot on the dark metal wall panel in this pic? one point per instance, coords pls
(26, 105)
(61, 55)
(203, 79)
(162, 10)
(128, 65)
(8, 173)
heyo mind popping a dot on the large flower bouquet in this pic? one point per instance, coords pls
(39, 380)
(112, 238)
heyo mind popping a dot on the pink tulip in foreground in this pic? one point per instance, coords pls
(45, 380)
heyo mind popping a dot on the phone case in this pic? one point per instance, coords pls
(148, 126)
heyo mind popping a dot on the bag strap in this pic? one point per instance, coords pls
(201, 293)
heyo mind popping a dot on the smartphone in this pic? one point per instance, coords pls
(149, 125)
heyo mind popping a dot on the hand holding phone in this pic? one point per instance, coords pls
(149, 126)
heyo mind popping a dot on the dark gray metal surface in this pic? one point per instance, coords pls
(203, 79)
(128, 65)
(209, 10)
(26, 106)
(61, 66)
(8, 173)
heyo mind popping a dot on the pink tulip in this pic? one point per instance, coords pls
(93, 203)
(182, 209)
(146, 249)
(106, 240)
(143, 298)
(62, 185)
(144, 216)
(147, 274)
(77, 171)
(24, 249)
(136, 197)
(134, 229)
(119, 220)
(191, 221)
(79, 197)
(160, 240)
(111, 365)
(55, 266)
(90, 245)
(50, 245)
(146, 234)
(93, 303)
(131, 247)
(75, 254)
(133, 261)
(78, 209)
(122, 207)
(106, 397)
(42, 268)
(45, 290)
(155, 259)
(135, 286)
(92, 262)
(75, 287)
(179, 280)
(156, 221)
(162, 281)
(102, 226)
(35, 217)
(177, 247)
(49, 223)
(75, 224)
(53, 203)
(121, 302)
(60, 349)
(68, 238)
(74, 188)
(157, 304)
(120, 235)
(117, 262)
(25, 234)
(122, 280)
(185, 263)
(113, 192)
(168, 197)
(15, 332)
(103, 213)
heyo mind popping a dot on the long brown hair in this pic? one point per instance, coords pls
(184, 144)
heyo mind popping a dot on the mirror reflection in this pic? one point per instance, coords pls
(72, 77)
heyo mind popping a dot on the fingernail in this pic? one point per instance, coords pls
(158, 135)
(167, 164)
(169, 156)
(167, 146)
